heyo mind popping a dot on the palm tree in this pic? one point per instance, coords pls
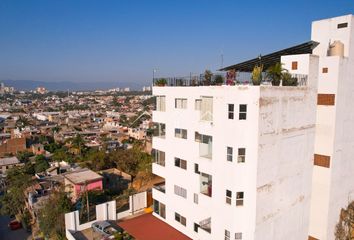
(22, 122)
(275, 73)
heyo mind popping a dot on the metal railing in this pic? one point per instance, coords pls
(241, 78)
(160, 187)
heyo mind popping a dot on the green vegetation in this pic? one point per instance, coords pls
(51, 216)
(274, 73)
(257, 75)
(13, 201)
(41, 164)
(345, 226)
(161, 82)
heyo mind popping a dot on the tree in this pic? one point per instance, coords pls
(22, 122)
(78, 142)
(51, 215)
(345, 226)
(13, 201)
(62, 154)
(275, 73)
(41, 164)
(24, 156)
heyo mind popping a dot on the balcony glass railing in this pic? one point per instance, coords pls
(160, 187)
(221, 78)
(205, 145)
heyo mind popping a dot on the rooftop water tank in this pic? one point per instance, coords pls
(336, 49)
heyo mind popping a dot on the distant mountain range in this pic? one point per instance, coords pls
(27, 85)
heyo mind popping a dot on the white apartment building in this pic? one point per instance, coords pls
(238, 161)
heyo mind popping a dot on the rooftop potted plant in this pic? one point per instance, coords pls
(218, 80)
(288, 80)
(257, 75)
(161, 82)
(207, 77)
(274, 73)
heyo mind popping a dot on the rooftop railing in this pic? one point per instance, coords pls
(240, 78)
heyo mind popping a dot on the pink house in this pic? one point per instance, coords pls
(82, 180)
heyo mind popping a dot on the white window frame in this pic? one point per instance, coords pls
(228, 197)
(241, 158)
(240, 197)
(242, 114)
(181, 103)
(161, 103)
(178, 163)
(229, 155)
(232, 112)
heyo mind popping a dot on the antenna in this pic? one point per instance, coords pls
(222, 60)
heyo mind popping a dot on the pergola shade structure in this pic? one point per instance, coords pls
(272, 58)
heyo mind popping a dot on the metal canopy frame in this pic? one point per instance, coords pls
(272, 58)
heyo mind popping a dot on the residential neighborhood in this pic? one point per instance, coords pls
(176, 120)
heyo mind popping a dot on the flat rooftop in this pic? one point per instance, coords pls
(82, 176)
(148, 227)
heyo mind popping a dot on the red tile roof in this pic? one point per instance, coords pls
(148, 227)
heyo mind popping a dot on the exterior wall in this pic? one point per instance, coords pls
(284, 171)
(333, 187)
(269, 133)
(97, 185)
(225, 175)
(13, 146)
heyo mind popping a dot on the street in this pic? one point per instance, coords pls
(7, 234)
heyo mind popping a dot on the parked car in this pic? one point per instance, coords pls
(14, 225)
(105, 228)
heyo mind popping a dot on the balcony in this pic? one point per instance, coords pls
(160, 187)
(206, 184)
(205, 225)
(218, 79)
(205, 145)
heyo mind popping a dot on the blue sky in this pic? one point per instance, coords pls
(116, 40)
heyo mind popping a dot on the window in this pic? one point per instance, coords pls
(206, 184)
(206, 109)
(231, 111)
(159, 208)
(181, 103)
(161, 103)
(180, 191)
(325, 70)
(242, 112)
(239, 198)
(182, 220)
(229, 154)
(180, 133)
(180, 163)
(342, 25)
(228, 196)
(159, 130)
(238, 236)
(241, 155)
(196, 226)
(293, 65)
(227, 235)
(196, 168)
(195, 198)
(159, 157)
(197, 104)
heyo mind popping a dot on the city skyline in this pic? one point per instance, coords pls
(87, 41)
